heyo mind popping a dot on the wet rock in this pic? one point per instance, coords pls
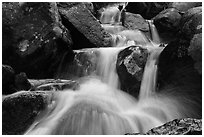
(135, 21)
(168, 21)
(20, 109)
(147, 9)
(21, 82)
(178, 64)
(34, 39)
(186, 126)
(177, 67)
(184, 6)
(53, 85)
(85, 29)
(130, 67)
(83, 64)
(8, 79)
(191, 23)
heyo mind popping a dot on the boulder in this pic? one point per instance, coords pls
(34, 39)
(184, 6)
(147, 9)
(180, 61)
(186, 126)
(168, 20)
(191, 23)
(130, 67)
(85, 29)
(19, 111)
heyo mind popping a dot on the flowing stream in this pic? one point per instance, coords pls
(99, 107)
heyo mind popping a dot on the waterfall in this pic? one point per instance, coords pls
(99, 107)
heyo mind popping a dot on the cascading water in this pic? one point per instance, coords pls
(100, 107)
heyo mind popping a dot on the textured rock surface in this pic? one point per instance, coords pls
(85, 29)
(130, 67)
(186, 126)
(34, 39)
(20, 109)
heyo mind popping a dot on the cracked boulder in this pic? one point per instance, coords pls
(85, 29)
(33, 38)
(130, 67)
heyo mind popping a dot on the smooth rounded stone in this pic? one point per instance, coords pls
(85, 29)
(130, 67)
(146, 9)
(191, 23)
(20, 109)
(53, 85)
(168, 21)
(34, 39)
(8, 79)
(184, 6)
(186, 126)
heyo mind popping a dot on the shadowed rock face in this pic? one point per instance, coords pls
(19, 111)
(184, 6)
(180, 61)
(34, 39)
(85, 29)
(187, 126)
(130, 67)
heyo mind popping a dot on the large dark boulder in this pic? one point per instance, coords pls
(180, 63)
(130, 67)
(186, 126)
(34, 39)
(147, 9)
(85, 29)
(19, 111)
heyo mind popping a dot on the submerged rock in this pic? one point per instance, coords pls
(186, 126)
(130, 67)
(34, 40)
(19, 111)
(85, 29)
